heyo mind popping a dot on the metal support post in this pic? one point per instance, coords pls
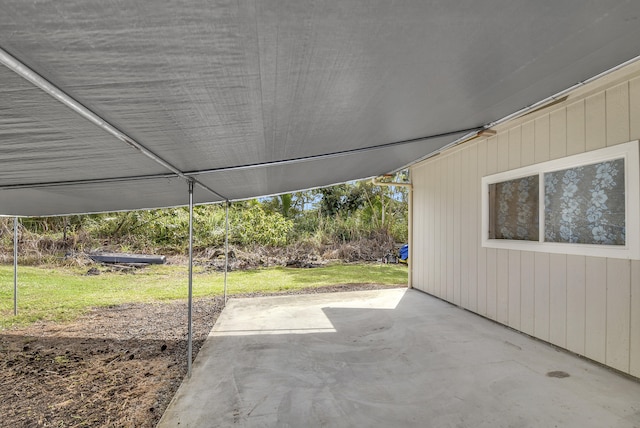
(190, 304)
(15, 266)
(226, 250)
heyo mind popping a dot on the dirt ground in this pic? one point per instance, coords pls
(114, 367)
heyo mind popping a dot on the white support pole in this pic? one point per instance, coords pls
(190, 304)
(226, 249)
(15, 266)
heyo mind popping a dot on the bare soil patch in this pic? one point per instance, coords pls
(113, 367)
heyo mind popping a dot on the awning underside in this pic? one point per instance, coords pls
(230, 92)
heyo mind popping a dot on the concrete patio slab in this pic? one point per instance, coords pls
(386, 358)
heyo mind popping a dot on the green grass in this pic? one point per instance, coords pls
(63, 294)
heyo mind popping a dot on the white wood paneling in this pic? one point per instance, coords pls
(590, 305)
(502, 286)
(541, 145)
(527, 146)
(541, 296)
(444, 241)
(423, 231)
(434, 248)
(618, 313)
(527, 292)
(449, 244)
(515, 147)
(595, 122)
(558, 134)
(514, 289)
(440, 257)
(440, 230)
(457, 200)
(492, 284)
(502, 163)
(575, 128)
(617, 114)
(433, 183)
(492, 156)
(425, 258)
(426, 234)
(558, 299)
(576, 303)
(482, 252)
(417, 176)
(466, 229)
(420, 223)
(634, 109)
(473, 186)
(420, 199)
(596, 308)
(634, 333)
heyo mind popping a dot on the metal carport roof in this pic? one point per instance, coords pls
(253, 98)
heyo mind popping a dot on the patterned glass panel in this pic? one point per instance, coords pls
(515, 209)
(586, 204)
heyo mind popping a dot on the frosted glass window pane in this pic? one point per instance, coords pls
(514, 209)
(586, 204)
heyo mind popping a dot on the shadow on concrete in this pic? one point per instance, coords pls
(388, 358)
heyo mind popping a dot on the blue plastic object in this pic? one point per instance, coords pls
(404, 252)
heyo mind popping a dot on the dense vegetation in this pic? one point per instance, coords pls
(321, 218)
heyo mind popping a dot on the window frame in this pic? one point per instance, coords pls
(631, 250)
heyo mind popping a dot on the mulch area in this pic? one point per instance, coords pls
(113, 367)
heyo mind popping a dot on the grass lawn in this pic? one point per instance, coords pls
(62, 293)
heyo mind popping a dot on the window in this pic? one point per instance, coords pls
(584, 204)
(513, 206)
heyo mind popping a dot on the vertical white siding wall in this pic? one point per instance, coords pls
(589, 305)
